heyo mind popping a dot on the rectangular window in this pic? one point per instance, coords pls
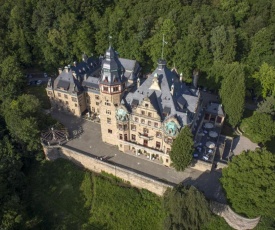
(97, 103)
(136, 119)
(96, 97)
(115, 89)
(158, 134)
(120, 137)
(125, 137)
(167, 160)
(145, 130)
(142, 112)
(59, 94)
(133, 127)
(142, 121)
(66, 96)
(157, 145)
(133, 137)
(110, 131)
(156, 124)
(108, 112)
(74, 99)
(67, 102)
(149, 114)
(105, 88)
(146, 105)
(107, 103)
(50, 93)
(109, 120)
(149, 123)
(75, 105)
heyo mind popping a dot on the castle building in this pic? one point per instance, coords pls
(137, 115)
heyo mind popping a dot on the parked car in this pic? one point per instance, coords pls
(39, 82)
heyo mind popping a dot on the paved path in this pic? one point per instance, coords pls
(86, 136)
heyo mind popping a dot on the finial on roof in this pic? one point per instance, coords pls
(163, 43)
(110, 40)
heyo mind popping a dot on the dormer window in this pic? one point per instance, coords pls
(106, 79)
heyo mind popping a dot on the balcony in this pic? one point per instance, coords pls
(145, 136)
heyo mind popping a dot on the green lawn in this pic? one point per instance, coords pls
(40, 92)
(63, 196)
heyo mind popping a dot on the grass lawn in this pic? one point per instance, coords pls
(63, 196)
(40, 92)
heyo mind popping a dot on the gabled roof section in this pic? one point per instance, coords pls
(158, 87)
(68, 81)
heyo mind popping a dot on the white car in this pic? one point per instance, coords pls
(39, 82)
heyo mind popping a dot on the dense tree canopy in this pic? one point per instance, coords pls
(22, 115)
(198, 33)
(249, 182)
(186, 208)
(182, 149)
(233, 92)
(267, 106)
(260, 127)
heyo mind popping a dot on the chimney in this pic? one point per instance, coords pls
(66, 69)
(59, 71)
(172, 89)
(196, 74)
(84, 57)
(74, 75)
(138, 82)
(180, 77)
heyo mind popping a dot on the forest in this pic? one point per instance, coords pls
(231, 43)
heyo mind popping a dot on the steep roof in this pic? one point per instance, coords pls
(164, 89)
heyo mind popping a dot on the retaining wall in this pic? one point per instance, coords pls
(97, 165)
(233, 219)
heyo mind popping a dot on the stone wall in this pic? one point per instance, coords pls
(97, 165)
(233, 219)
(201, 165)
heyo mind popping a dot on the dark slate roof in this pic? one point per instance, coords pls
(112, 70)
(67, 82)
(215, 108)
(162, 96)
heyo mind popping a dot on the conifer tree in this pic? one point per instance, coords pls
(182, 149)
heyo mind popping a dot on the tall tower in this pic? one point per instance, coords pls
(112, 85)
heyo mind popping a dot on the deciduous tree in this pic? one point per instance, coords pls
(249, 182)
(260, 127)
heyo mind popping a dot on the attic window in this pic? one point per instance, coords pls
(146, 105)
(106, 79)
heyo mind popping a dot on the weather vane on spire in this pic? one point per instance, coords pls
(163, 43)
(110, 40)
